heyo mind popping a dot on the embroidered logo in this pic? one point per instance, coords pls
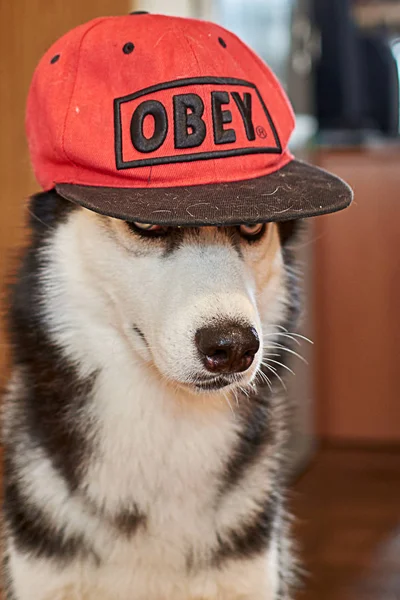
(192, 119)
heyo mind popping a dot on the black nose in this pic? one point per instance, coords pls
(228, 347)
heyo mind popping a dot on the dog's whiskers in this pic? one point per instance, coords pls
(280, 364)
(225, 395)
(275, 372)
(286, 349)
(293, 336)
(235, 394)
(299, 335)
(281, 334)
(265, 378)
(244, 391)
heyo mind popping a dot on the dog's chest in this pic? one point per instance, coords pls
(161, 461)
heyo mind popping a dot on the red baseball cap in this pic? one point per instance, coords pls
(168, 120)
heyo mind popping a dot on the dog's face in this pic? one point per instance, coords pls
(194, 302)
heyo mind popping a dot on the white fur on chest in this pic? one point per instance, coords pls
(155, 450)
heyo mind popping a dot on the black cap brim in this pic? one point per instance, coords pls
(296, 191)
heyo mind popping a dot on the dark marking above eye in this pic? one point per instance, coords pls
(139, 12)
(222, 42)
(174, 240)
(54, 59)
(128, 48)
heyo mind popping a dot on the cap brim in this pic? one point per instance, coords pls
(296, 191)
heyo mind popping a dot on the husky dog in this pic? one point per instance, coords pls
(144, 420)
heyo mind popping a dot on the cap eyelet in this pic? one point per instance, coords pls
(222, 42)
(54, 59)
(128, 48)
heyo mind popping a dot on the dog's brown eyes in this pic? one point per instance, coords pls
(253, 231)
(147, 226)
(148, 229)
(250, 232)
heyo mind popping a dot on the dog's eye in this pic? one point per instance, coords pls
(148, 229)
(147, 226)
(252, 231)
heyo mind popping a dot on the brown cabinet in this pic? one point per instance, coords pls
(357, 301)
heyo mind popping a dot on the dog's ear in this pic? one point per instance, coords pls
(48, 208)
(289, 230)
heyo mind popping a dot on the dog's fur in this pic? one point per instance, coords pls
(122, 479)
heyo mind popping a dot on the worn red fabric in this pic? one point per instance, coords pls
(77, 103)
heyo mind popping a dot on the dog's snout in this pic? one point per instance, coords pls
(227, 348)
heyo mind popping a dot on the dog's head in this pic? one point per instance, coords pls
(197, 303)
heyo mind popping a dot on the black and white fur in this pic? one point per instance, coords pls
(122, 480)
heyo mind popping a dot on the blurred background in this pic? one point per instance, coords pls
(339, 61)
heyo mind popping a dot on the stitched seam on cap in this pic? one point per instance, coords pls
(98, 22)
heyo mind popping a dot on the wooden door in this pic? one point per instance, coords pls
(27, 29)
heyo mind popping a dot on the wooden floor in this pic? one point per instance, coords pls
(348, 523)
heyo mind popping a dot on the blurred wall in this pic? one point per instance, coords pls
(27, 29)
